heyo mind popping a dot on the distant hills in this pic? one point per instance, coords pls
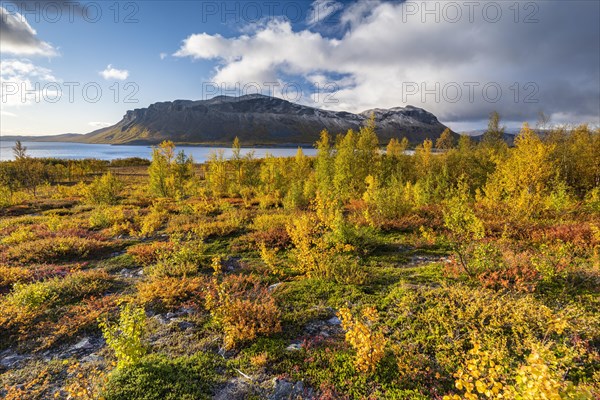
(256, 120)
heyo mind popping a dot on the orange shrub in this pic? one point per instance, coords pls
(169, 292)
(10, 275)
(76, 319)
(244, 308)
(148, 254)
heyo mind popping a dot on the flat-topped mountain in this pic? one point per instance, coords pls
(257, 120)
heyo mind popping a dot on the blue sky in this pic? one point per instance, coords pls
(360, 54)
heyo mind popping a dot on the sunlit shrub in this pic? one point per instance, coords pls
(19, 235)
(592, 200)
(104, 190)
(225, 224)
(486, 374)
(115, 218)
(269, 258)
(385, 202)
(11, 275)
(57, 249)
(319, 253)
(364, 334)
(125, 337)
(26, 303)
(466, 229)
(153, 220)
(266, 222)
(149, 253)
(167, 293)
(6, 198)
(437, 326)
(542, 376)
(185, 259)
(244, 308)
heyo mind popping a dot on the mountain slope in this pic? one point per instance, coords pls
(256, 120)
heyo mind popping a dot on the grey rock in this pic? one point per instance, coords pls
(286, 390)
(83, 344)
(11, 359)
(92, 358)
(161, 319)
(294, 347)
(183, 325)
(283, 390)
(235, 389)
(274, 286)
(334, 321)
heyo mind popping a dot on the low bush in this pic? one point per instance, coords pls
(125, 337)
(12, 275)
(168, 293)
(244, 308)
(19, 235)
(160, 377)
(149, 253)
(153, 220)
(432, 331)
(266, 222)
(104, 190)
(29, 307)
(364, 334)
(58, 248)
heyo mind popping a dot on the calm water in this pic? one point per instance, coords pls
(110, 152)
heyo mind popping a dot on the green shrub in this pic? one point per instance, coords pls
(104, 190)
(159, 377)
(125, 338)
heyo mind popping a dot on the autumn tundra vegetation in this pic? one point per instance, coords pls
(462, 270)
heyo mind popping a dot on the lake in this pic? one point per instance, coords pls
(110, 152)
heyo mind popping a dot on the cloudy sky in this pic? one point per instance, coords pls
(78, 66)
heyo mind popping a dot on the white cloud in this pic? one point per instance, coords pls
(23, 83)
(7, 113)
(17, 37)
(163, 56)
(113, 73)
(99, 124)
(384, 48)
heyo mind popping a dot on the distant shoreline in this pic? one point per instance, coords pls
(213, 145)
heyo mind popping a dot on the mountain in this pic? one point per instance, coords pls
(256, 120)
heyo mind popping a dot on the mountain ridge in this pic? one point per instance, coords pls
(256, 120)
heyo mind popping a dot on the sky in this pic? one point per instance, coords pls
(77, 66)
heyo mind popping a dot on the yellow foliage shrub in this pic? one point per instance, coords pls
(11, 275)
(364, 334)
(269, 258)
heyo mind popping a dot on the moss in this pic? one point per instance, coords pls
(160, 377)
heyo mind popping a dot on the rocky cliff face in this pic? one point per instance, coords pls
(257, 119)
